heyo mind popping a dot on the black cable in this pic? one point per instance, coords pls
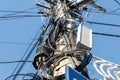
(44, 31)
(104, 34)
(117, 2)
(28, 75)
(44, 66)
(20, 12)
(17, 43)
(34, 76)
(85, 62)
(22, 57)
(28, 55)
(19, 16)
(10, 11)
(14, 61)
(100, 23)
(110, 13)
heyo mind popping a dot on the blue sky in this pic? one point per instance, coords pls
(23, 31)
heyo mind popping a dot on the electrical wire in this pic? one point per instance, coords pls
(16, 43)
(100, 23)
(104, 63)
(31, 47)
(93, 33)
(104, 34)
(22, 57)
(103, 60)
(20, 11)
(24, 75)
(117, 2)
(34, 76)
(17, 16)
(15, 61)
(20, 16)
(28, 55)
(11, 11)
(84, 62)
(110, 13)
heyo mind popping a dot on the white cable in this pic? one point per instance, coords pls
(117, 73)
(95, 66)
(110, 69)
(103, 71)
(106, 63)
(98, 58)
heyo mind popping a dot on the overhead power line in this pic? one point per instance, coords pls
(89, 10)
(14, 61)
(100, 23)
(16, 16)
(117, 2)
(110, 13)
(20, 16)
(26, 58)
(104, 34)
(17, 43)
(20, 11)
(29, 50)
(28, 75)
(11, 11)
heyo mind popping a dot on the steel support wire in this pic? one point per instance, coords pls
(29, 54)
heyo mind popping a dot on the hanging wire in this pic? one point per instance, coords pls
(32, 75)
(100, 23)
(105, 34)
(30, 52)
(15, 61)
(19, 12)
(15, 43)
(117, 2)
(11, 11)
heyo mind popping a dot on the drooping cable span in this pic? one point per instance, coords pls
(117, 2)
(30, 75)
(100, 23)
(105, 34)
(15, 61)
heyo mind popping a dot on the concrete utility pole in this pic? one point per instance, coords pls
(62, 12)
(63, 46)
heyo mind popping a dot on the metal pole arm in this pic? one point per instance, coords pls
(43, 5)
